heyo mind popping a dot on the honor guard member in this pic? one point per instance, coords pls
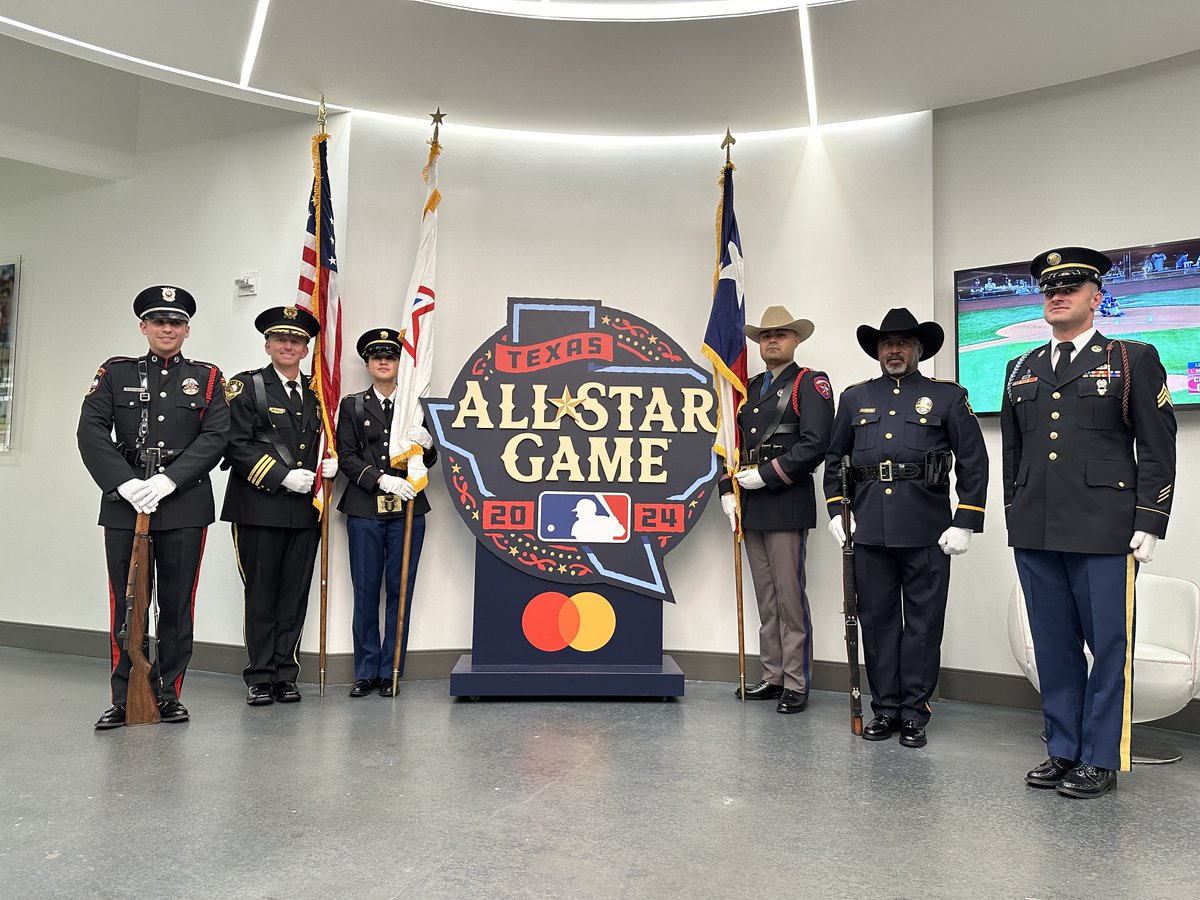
(785, 426)
(1089, 466)
(274, 439)
(175, 405)
(375, 503)
(903, 433)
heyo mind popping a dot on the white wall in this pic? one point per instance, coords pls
(219, 188)
(1109, 162)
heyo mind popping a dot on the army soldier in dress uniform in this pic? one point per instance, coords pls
(785, 428)
(177, 406)
(903, 432)
(1089, 467)
(375, 503)
(274, 439)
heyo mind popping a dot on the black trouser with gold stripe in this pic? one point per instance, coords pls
(276, 565)
(176, 570)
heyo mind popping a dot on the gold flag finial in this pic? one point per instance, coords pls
(437, 121)
(321, 116)
(726, 144)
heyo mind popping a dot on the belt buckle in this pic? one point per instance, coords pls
(885, 470)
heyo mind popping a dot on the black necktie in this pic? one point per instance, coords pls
(766, 385)
(1065, 349)
(387, 413)
(294, 400)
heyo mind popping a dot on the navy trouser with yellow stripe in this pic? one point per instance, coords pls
(1073, 598)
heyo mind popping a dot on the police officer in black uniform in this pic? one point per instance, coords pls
(274, 439)
(375, 502)
(785, 426)
(903, 432)
(1089, 470)
(175, 405)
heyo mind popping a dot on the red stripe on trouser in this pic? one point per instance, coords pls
(195, 582)
(115, 648)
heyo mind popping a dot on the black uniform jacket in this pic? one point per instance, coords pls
(1072, 481)
(363, 456)
(788, 500)
(257, 433)
(899, 419)
(187, 419)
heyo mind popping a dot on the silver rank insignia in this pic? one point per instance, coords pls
(924, 405)
(191, 387)
(1101, 386)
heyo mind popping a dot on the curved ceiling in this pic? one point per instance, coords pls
(869, 57)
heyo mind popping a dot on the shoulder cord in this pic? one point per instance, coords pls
(796, 389)
(1015, 369)
(1125, 383)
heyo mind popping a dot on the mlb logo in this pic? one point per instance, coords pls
(568, 517)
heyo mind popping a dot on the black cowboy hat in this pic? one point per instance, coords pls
(901, 321)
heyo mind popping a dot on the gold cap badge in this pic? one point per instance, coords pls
(1054, 259)
(290, 312)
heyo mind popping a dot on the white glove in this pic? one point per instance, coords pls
(299, 481)
(1142, 545)
(729, 507)
(419, 435)
(839, 534)
(955, 541)
(394, 484)
(329, 467)
(139, 494)
(161, 485)
(750, 479)
(417, 469)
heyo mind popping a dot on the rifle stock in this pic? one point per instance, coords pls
(141, 704)
(850, 603)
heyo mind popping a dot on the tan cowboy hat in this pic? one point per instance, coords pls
(779, 317)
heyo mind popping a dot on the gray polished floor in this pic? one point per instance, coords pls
(429, 797)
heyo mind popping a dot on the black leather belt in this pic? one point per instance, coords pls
(888, 471)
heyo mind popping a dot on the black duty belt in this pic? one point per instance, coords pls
(888, 471)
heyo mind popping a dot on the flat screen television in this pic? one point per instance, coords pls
(1152, 294)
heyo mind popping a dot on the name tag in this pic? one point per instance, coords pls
(277, 410)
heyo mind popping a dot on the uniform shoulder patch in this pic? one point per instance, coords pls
(233, 387)
(95, 385)
(822, 386)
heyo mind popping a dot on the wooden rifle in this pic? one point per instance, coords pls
(850, 603)
(141, 705)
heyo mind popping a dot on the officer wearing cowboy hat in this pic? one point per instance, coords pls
(903, 432)
(1089, 467)
(274, 441)
(375, 503)
(785, 428)
(162, 401)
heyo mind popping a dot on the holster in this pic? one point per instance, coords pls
(937, 467)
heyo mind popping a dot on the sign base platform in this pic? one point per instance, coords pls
(474, 680)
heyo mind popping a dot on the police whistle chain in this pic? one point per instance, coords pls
(141, 705)
(850, 603)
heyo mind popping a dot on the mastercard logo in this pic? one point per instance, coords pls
(553, 621)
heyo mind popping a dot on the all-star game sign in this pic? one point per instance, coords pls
(577, 445)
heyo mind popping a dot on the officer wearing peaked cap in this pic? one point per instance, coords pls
(903, 433)
(272, 455)
(162, 401)
(785, 427)
(375, 503)
(1089, 467)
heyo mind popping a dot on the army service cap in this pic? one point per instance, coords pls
(380, 342)
(164, 301)
(288, 320)
(1065, 266)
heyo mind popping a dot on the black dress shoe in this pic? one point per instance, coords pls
(259, 694)
(912, 734)
(761, 691)
(1051, 772)
(385, 687)
(363, 686)
(881, 728)
(791, 701)
(171, 710)
(1087, 781)
(114, 717)
(285, 692)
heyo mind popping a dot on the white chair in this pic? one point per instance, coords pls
(1166, 654)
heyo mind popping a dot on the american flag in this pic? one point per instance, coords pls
(725, 339)
(416, 359)
(318, 293)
